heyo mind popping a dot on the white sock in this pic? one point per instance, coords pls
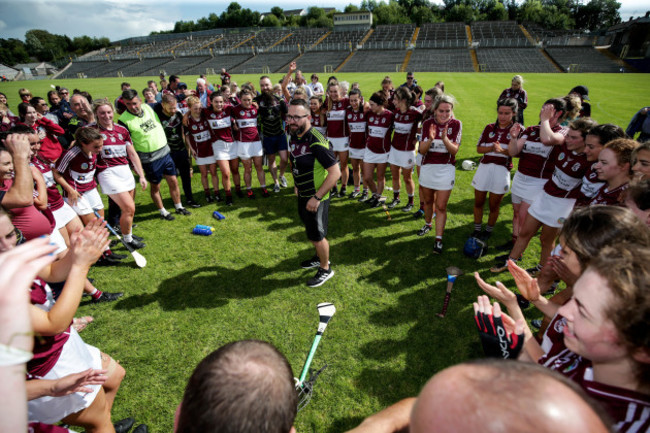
(128, 238)
(163, 212)
(178, 205)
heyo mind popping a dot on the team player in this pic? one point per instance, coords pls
(613, 167)
(249, 146)
(402, 152)
(596, 139)
(224, 147)
(113, 171)
(46, 128)
(516, 91)
(555, 203)
(271, 113)
(336, 130)
(375, 157)
(641, 161)
(357, 123)
(535, 149)
(493, 172)
(199, 138)
(318, 119)
(389, 91)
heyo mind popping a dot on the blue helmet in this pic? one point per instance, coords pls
(474, 248)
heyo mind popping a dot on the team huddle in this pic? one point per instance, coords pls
(584, 183)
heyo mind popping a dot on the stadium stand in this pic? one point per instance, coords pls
(585, 59)
(264, 63)
(316, 61)
(82, 68)
(304, 38)
(214, 64)
(179, 65)
(265, 39)
(442, 35)
(498, 34)
(392, 37)
(440, 60)
(375, 60)
(341, 40)
(513, 60)
(146, 67)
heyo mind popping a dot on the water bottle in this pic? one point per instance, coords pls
(200, 226)
(218, 215)
(202, 232)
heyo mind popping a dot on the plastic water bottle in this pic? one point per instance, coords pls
(202, 232)
(218, 215)
(200, 226)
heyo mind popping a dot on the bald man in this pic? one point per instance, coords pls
(491, 396)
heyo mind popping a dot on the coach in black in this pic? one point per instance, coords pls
(315, 173)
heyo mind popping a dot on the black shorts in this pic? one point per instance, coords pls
(156, 170)
(315, 222)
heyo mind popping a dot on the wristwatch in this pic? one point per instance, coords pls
(317, 197)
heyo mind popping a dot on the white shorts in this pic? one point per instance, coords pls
(247, 150)
(76, 357)
(64, 215)
(439, 177)
(224, 151)
(87, 203)
(357, 153)
(551, 211)
(115, 180)
(207, 160)
(526, 188)
(375, 158)
(57, 238)
(340, 144)
(492, 178)
(418, 159)
(401, 158)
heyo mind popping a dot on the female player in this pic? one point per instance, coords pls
(113, 171)
(516, 91)
(641, 160)
(224, 147)
(249, 145)
(59, 351)
(389, 91)
(75, 172)
(46, 129)
(441, 134)
(555, 203)
(380, 126)
(535, 149)
(613, 167)
(336, 130)
(357, 123)
(493, 172)
(318, 121)
(199, 138)
(402, 152)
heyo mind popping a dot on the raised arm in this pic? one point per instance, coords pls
(21, 193)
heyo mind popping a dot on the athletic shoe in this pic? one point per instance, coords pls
(475, 234)
(394, 203)
(276, 188)
(228, 200)
(108, 261)
(117, 256)
(168, 217)
(418, 214)
(142, 428)
(265, 193)
(193, 204)
(408, 208)
(373, 202)
(484, 236)
(183, 211)
(283, 182)
(500, 267)
(536, 323)
(217, 197)
(424, 230)
(534, 271)
(135, 244)
(321, 276)
(507, 246)
(137, 238)
(379, 202)
(239, 193)
(311, 263)
(209, 199)
(124, 425)
(110, 297)
(354, 194)
(552, 289)
(342, 193)
(334, 192)
(250, 194)
(437, 247)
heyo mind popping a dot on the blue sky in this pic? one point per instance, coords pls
(119, 19)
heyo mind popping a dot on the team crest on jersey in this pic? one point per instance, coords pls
(107, 151)
(253, 112)
(213, 115)
(383, 120)
(241, 113)
(84, 166)
(561, 156)
(576, 166)
(104, 137)
(350, 116)
(491, 134)
(533, 133)
(193, 127)
(508, 137)
(449, 131)
(372, 119)
(572, 367)
(406, 117)
(121, 137)
(559, 325)
(593, 175)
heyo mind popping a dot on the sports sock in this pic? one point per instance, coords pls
(411, 198)
(228, 192)
(263, 186)
(357, 188)
(97, 294)
(478, 227)
(207, 193)
(439, 238)
(128, 238)
(489, 228)
(396, 194)
(178, 205)
(427, 224)
(163, 212)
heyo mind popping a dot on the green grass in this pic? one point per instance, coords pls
(198, 293)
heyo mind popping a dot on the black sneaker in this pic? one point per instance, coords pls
(342, 193)
(265, 193)
(437, 247)
(321, 276)
(209, 199)
(364, 197)
(135, 244)
(183, 211)
(124, 425)
(475, 234)
(228, 200)
(239, 193)
(217, 197)
(354, 194)
(372, 202)
(108, 261)
(378, 202)
(418, 214)
(507, 246)
(311, 263)
(394, 203)
(110, 297)
(168, 217)
(408, 208)
(117, 256)
(484, 236)
(142, 428)
(193, 204)
(137, 238)
(424, 230)
(250, 194)
(276, 188)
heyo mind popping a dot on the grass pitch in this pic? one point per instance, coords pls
(244, 281)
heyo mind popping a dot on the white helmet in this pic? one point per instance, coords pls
(468, 165)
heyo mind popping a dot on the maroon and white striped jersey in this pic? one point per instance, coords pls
(319, 123)
(336, 118)
(54, 198)
(357, 127)
(566, 180)
(199, 136)
(608, 197)
(590, 186)
(78, 169)
(405, 127)
(114, 150)
(438, 153)
(221, 123)
(247, 123)
(492, 134)
(537, 159)
(379, 131)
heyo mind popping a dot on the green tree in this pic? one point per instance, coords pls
(496, 12)
(13, 51)
(390, 13)
(421, 15)
(351, 8)
(270, 20)
(598, 14)
(463, 13)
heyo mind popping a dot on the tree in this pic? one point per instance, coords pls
(461, 12)
(391, 13)
(598, 14)
(13, 51)
(421, 15)
(369, 5)
(278, 12)
(496, 12)
(351, 8)
(270, 20)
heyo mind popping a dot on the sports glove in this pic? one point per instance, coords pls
(495, 339)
